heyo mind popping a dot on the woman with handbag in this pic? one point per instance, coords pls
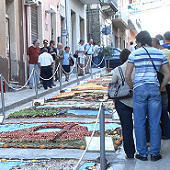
(67, 60)
(124, 108)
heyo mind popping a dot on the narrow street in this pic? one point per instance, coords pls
(84, 85)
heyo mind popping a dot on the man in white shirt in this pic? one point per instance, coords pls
(89, 48)
(45, 62)
(81, 57)
(95, 60)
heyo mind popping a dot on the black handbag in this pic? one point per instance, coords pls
(75, 55)
(71, 61)
(160, 76)
(119, 91)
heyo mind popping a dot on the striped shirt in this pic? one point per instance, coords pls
(144, 70)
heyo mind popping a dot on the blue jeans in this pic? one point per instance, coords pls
(147, 102)
(37, 73)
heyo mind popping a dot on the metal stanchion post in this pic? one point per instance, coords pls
(102, 138)
(35, 84)
(91, 67)
(60, 77)
(2, 95)
(78, 82)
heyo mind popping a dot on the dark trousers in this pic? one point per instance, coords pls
(46, 73)
(168, 91)
(125, 115)
(165, 121)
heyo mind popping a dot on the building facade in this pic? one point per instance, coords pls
(23, 21)
(120, 25)
(99, 16)
(11, 37)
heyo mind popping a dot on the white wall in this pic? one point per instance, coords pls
(80, 11)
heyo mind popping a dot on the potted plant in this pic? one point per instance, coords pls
(107, 52)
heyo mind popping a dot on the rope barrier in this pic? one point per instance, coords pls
(90, 58)
(99, 63)
(17, 89)
(52, 75)
(90, 138)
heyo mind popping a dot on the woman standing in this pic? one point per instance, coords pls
(124, 109)
(66, 62)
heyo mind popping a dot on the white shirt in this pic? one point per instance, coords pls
(97, 50)
(116, 77)
(80, 48)
(45, 59)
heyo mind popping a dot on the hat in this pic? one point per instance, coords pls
(45, 41)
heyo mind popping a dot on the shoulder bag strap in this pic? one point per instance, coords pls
(150, 59)
(121, 75)
(88, 48)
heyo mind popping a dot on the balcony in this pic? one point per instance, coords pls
(121, 19)
(112, 3)
(88, 2)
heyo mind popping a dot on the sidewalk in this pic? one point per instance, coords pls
(17, 98)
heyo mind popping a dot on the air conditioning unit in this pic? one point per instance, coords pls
(31, 2)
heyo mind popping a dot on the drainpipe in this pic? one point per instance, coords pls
(67, 36)
(21, 64)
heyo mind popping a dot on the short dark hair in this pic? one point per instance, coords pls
(81, 41)
(44, 50)
(155, 41)
(144, 38)
(131, 43)
(52, 42)
(159, 37)
(66, 47)
(124, 55)
(167, 35)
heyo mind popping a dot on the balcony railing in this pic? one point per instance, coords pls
(112, 2)
(122, 15)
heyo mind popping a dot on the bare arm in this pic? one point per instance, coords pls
(39, 65)
(114, 78)
(128, 73)
(166, 72)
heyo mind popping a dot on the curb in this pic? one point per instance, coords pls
(29, 99)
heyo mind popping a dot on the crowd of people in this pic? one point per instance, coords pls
(46, 60)
(150, 104)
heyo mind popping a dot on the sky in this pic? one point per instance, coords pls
(156, 21)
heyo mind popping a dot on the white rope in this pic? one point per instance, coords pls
(17, 89)
(89, 60)
(75, 168)
(70, 71)
(52, 75)
(99, 63)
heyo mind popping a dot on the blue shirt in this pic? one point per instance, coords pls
(66, 58)
(89, 48)
(166, 45)
(144, 70)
